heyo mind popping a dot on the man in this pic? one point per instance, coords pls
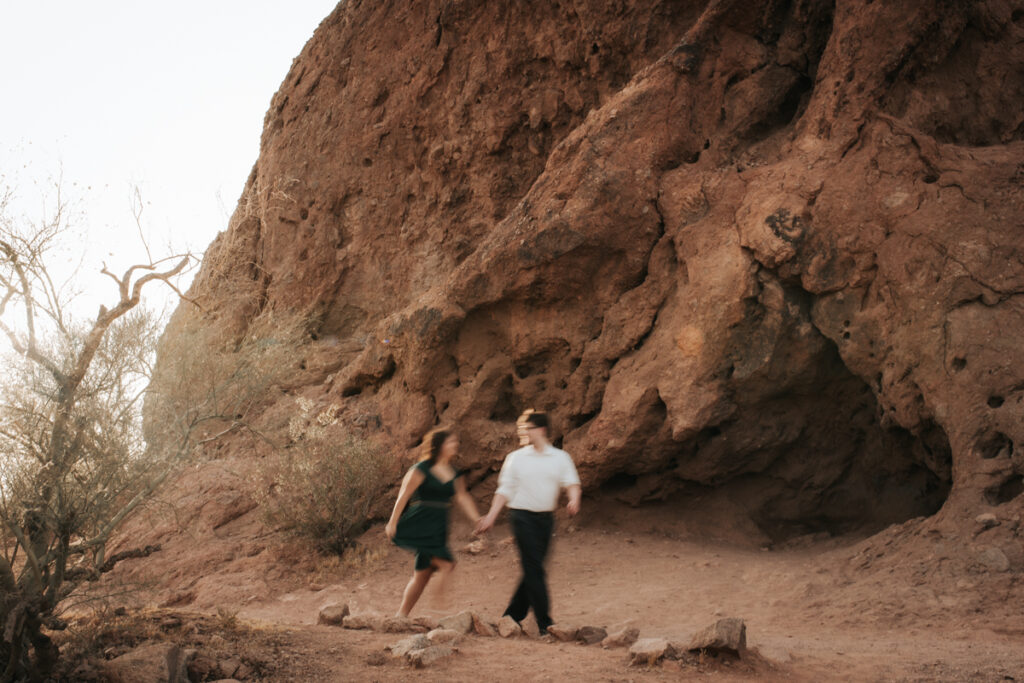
(530, 481)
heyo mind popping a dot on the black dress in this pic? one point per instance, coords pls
(423, 526)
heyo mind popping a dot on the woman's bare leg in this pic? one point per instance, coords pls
(443, 568)
(414, 589)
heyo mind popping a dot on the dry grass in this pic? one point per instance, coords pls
(323, 487)
(108, 633)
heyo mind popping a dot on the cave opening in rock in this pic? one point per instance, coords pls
(807, 454)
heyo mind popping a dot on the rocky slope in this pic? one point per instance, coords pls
(766, 251)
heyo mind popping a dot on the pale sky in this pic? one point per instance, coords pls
(165, 96)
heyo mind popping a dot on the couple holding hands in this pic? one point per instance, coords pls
(530, 482)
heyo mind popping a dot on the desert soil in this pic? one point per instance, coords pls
(810, 614)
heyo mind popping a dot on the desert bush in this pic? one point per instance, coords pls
(75, 462)
(324, 485)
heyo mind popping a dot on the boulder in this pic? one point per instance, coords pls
(428, 623)
(482, 627)
(987, 520)
(149, 663)
(461, 622)
(407, 645)
(623, 637)
(429, 655)
(994, 559)
(530, 628)
(372, 622)
(562, 632)
(725, 635)
(444, 635)
(649, 651)
(333, 614)
(401, 625)
(588, 635)
(229, 667)
(376, 659)
(508, 627)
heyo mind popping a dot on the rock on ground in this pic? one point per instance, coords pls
(481, 627)
(461, 622)
(588, 635)
(407, 645)
(725, 635)
(333, 615)
(444, 635)
(622, 638)
(563, 632)
(149, 663)
(429, 655)
(507, 627)
(649, 651)
(372, 622)
(401, 625)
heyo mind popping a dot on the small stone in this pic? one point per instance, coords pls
(725, 635)
(483, 628)
(443, 635)
(987, 520)
(429, 655)
(995, 559)
(507, 627)
(372, 622)
(588, 635)
(428, 623)
(649, 651)
(153, 662)
(229, 666)
(376, 659)
(621, 638)
(401, 625)
(530, 628)
(461, 622)
(475, 547)
(333, 615)
(564, 633)
(407, 645)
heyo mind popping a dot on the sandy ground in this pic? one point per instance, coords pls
(809, 616)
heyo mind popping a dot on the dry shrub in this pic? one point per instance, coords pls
(325, 484)
(108, 633)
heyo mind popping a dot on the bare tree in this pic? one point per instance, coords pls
(73, 461)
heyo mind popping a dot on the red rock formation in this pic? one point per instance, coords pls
(766, 250)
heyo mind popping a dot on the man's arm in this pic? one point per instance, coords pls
(507, 483)
(575, 493)
(487, 521)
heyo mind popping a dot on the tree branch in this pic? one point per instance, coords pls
(83, 574)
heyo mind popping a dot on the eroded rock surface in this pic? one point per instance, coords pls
(765, 250)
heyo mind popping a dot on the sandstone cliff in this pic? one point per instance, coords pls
(769, 251)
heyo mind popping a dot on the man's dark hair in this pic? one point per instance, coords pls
(537, 419)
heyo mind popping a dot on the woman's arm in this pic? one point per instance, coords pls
(411, 482)
(466, 501)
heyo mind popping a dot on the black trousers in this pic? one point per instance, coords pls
(533, 537)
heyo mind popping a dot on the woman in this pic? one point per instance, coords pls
(419, 521)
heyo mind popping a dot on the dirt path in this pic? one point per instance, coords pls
(805, 616)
